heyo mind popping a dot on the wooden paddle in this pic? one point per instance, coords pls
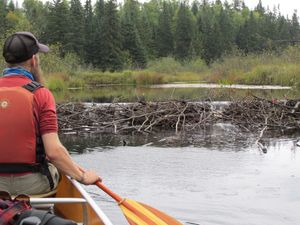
(138, 213)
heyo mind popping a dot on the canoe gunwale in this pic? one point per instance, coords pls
(91, 202)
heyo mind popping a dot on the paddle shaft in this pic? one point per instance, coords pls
(109, 192)
(138, 213)
(119, 200)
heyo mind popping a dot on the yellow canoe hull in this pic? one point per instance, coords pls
(87, 213)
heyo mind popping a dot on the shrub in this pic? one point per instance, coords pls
(56, 83)
(53, 62)
(165, 65)
(148, 78)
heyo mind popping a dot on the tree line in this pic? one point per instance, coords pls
(112, 36)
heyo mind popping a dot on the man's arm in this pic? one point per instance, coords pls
(59, 157)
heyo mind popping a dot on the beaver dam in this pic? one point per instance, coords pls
(250, 114)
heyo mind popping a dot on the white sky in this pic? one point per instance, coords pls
(287, 7)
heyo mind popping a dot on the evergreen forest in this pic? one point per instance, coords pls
(111, 37)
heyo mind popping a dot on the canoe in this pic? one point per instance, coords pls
(71, 201)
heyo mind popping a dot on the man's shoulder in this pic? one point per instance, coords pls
(44, 94)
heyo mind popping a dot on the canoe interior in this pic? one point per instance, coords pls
(79, 212)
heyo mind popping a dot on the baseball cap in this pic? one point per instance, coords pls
(21, 46)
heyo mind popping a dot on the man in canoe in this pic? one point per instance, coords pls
(31, 153)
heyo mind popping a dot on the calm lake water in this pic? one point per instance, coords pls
(216, 176)
(191, 92)
(223, 179)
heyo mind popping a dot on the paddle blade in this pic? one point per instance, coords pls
(140, 214)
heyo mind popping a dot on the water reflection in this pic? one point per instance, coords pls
(203, 184)
(220, 136)
(133, 94)
(213, 176)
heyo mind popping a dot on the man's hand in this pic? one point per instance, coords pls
(89, 177)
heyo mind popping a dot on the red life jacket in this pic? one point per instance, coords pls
(20, 148)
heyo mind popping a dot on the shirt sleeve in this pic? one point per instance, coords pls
(45, 111)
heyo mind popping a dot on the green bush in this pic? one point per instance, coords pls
(53, 62)
(148, 78)
(56, 83)
(165, 65)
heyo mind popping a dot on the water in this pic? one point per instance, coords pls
(216, 176)
(220, 180)
(190, 92)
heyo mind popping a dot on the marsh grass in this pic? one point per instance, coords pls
(264, 69)
(267, 68)
(57, 82)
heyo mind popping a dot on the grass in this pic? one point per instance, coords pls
(264, 69)
(268, 68)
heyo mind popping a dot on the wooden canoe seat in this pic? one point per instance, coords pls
(45, 195)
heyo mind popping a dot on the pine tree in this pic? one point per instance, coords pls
(3, 13)
(227, 32)
(208, 25)
(113, 58)
(195, 7)
(147, 25)
(36, 13)
(268, 29)
(58, 24)
(76, 27)
(283, 32)
(131, 43)
(294, 29)
(249, 38)
(259, 8)
(164, 40)
(88, 32)
(11, 6)
(147, 33)
(183, 33)
(98, 48)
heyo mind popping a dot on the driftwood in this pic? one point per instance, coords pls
(251, 114)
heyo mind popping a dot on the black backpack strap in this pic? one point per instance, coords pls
(32, 86)
(41, 158)
(40, 152)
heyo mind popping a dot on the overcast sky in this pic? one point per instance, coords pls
(287, 7)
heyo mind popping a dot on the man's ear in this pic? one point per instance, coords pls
(33, 61)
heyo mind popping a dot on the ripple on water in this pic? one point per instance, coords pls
(200, 186)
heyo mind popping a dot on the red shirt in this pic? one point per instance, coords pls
(44, 104)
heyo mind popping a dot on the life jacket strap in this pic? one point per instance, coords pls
(19, 168)
(24, 168)
(32, 86)
(40, 151)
